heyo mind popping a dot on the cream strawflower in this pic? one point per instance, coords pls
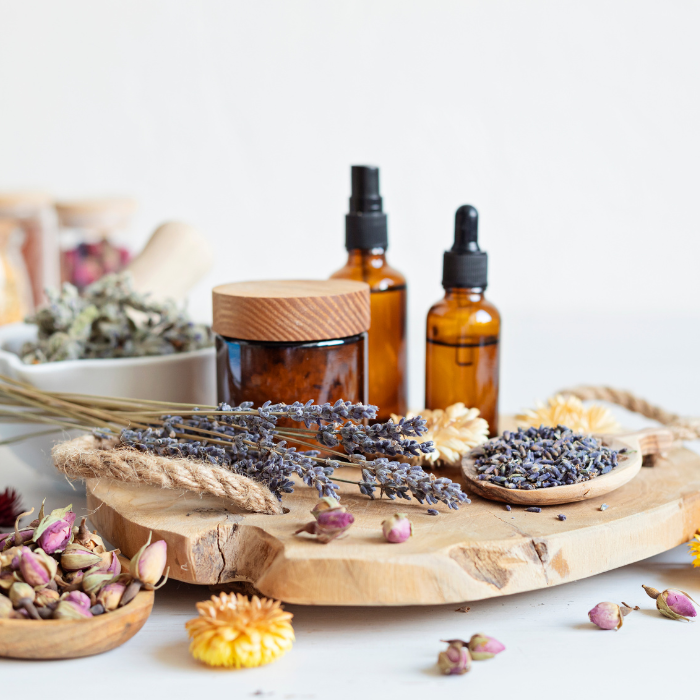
(455, 431)
(570, 412)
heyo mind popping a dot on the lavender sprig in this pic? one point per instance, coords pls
(249, 442)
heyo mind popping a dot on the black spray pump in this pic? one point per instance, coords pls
(365, 225)
(465, 265)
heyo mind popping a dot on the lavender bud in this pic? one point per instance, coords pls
(673, 603)
(398, 528)
(607, 616)
(482, 647)
(37, 567)
(456, 659)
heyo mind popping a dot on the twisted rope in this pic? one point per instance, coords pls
(683, 428)
(88, 458)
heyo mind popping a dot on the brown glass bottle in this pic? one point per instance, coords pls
(387, 334)
(366, 240)
(463, 330)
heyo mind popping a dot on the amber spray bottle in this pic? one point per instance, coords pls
(366, 240)
(463, 330)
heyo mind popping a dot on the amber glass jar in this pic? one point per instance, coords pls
(291, 341)
(366, 239)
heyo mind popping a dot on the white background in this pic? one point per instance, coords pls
(572, 127)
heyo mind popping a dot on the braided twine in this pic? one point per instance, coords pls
(683, 428)
(87, 457)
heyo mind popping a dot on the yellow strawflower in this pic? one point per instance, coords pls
(455, 431)
(233, 631)
(694, 546)
(570, 412)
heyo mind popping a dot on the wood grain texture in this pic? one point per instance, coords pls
(291, 310)
(639, 444)
(71, 639)
(478, 552)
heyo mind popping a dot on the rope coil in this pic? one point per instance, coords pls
(87, 457)
(683, 428)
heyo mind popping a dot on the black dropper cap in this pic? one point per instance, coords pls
(365, 225)
(465, 265)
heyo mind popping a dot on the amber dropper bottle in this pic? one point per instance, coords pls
(463, 330)
(366, 240)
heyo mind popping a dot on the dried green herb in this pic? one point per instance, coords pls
(110, 319)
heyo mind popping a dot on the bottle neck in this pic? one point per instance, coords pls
(464, 294)
(374, 257)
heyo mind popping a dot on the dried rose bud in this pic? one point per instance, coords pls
(109, 563)
(5, 607)
(482, 647)
(93, 582)
(7, 578)
(110, 595)
(37, 567)
(77, 597)
(77, 557)
(55, 536)
(46, 598)
(20, 592)
(148, 563)
(324, 504)
(456, 659)
(673, 603)
(609, 616)
(397, 528)
(91, 540)
(69, 610)
(329, 525)
(16, 539)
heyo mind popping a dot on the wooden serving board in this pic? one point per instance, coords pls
(478, 552)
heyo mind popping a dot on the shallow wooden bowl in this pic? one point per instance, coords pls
(71, 639)
(640, 444)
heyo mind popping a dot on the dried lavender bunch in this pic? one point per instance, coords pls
(249, 441)
(536, 458)
(110, 319)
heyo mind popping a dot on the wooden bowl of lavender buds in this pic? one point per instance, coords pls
(64, 596)
(547, 466)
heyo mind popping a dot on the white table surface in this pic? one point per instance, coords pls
(552, 651)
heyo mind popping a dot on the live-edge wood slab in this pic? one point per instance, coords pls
(478, 552)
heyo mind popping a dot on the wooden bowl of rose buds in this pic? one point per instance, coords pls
(63, 595)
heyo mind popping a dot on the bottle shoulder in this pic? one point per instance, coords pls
(451, 319)
(379, 278)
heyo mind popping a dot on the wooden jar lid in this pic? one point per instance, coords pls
(291, 310)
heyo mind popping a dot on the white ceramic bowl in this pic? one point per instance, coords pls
(188, 377)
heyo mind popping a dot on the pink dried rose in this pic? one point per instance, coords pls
(77, 557)
(110, 596)
(482, 647)
(673, 603)
(330, 524)
(456, 659)
(148, 564)
(55, 531)
(36, 567)
(609, 616)
(397, 529)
